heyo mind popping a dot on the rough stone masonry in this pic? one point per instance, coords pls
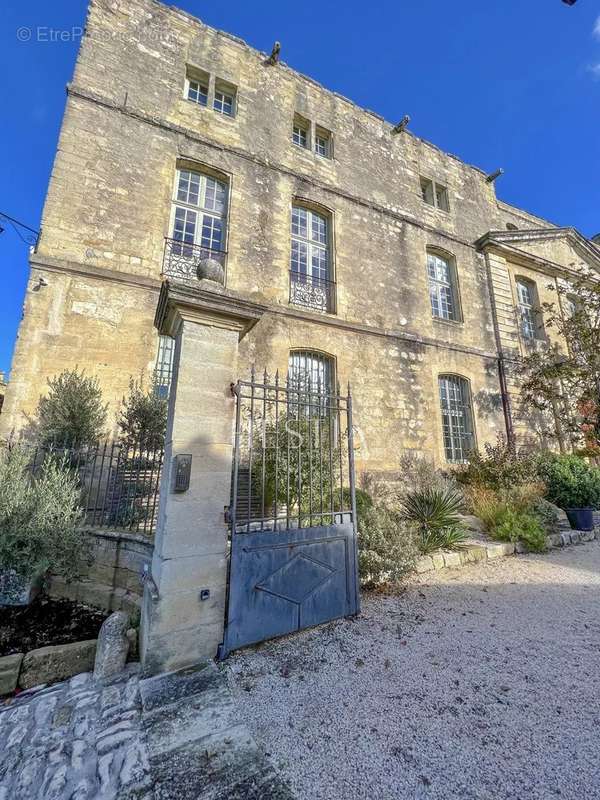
(132, 126)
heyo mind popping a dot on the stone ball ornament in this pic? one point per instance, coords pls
(209, 269)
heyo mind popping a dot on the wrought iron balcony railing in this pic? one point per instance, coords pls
(185, 261)
(314, 293)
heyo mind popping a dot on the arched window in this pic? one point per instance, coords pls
(310, 260)
(457, 417)
(311, 379)
(528, 309)
(442, 287)
(199, 213)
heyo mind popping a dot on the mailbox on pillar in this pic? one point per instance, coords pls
(183, 470)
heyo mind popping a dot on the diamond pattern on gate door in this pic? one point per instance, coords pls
(297, 578)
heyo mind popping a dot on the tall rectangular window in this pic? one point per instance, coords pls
(457, 418)
(310, 243)
(527, 309)
(310, 377)
(199, 212)
(442, 287)
(163, 372)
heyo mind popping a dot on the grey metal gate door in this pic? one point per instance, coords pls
(293, 552)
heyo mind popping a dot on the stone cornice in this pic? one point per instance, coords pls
(51, 264)
(506, 243)
(329, 320)
(207, 304)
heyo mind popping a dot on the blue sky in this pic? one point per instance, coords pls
(507, 83)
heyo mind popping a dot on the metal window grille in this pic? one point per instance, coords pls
(119, 482)
(457, 417)
(163, 372)
(525, 295)
(310, 374)
(441, 287)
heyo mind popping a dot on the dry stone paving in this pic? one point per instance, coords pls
(75, 740)
(176, 736)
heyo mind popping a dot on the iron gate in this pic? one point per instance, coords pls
(293, 552)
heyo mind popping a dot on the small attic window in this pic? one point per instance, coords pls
(435, 194)
(510, 226)
(196, 86)
(225, 97)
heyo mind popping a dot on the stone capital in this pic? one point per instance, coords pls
(216, 307)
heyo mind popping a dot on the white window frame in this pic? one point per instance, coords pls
(443, 292)
(426, 183)
(205, 217)
(226, 99)
(458, 423)
(526, 303)
(322, 135)
(317, 249)
(189, 80)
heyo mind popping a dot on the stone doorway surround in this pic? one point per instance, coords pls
(185, 589)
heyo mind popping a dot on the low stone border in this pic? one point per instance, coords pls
(47, 665)
(486, 551)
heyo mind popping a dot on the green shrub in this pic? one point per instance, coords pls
(418, 473)
(499, 467)
(72, 412)
(387, 550)
(39, 517)
(364, 501)
(512, 526)
(546, 514)
(435, 513)
(570, 481)
(143, 419)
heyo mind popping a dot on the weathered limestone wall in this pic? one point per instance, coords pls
(113, 581)
(127, 127)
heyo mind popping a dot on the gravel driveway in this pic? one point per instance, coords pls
(476, 683)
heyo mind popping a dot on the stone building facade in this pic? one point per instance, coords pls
(381, 260)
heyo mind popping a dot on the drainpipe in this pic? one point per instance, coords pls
(508, 422)
(510, 431)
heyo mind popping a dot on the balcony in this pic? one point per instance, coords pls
(310, 292)
(192, 262)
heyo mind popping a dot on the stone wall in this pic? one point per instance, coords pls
(126, 129)
(113, 581)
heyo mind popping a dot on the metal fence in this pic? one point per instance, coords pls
(293, 459)
(311, 292)
(119, 482)
(182, 260)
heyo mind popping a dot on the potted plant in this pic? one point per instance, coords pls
(573, 485)
(39, 520)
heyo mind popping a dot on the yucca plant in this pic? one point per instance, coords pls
(435, 512)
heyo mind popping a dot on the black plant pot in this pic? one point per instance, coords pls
(581, 519)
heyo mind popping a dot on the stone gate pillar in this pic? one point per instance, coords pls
(184, 594)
